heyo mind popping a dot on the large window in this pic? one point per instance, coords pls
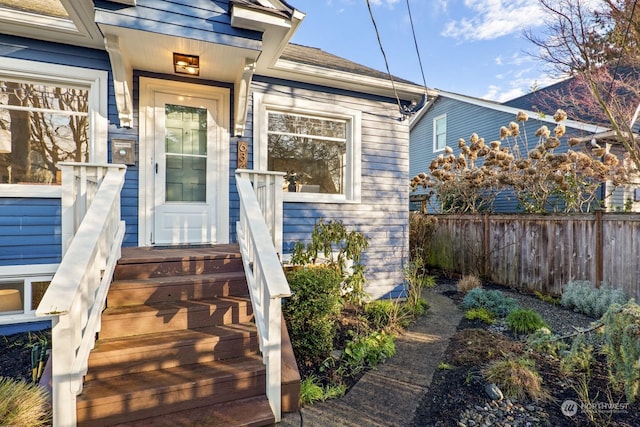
(439, 133)
(40, 125)
(317, 146)
(51, 115)
(312, 150)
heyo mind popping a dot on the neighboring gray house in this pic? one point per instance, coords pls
(450, 116)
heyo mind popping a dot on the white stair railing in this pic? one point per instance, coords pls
(259, 234)
(92, 235)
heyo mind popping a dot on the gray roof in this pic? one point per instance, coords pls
(320, 58)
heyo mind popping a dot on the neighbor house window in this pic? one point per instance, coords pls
(48, 114)
(317, 146)
(439, 133)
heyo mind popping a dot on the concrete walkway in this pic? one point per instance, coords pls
(390, 395)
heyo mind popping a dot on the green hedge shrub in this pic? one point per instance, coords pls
(311, 310)
(525, 321)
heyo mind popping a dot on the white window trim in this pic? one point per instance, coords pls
(95, 80)
(435, 135)
(16, 273)
(262, 104)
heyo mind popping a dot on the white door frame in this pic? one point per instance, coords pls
(220, 212)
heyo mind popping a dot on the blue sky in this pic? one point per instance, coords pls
(472, 47)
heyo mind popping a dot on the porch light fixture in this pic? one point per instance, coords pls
(186, 64)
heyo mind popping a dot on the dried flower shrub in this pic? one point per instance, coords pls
(468, 282)
(540, 178)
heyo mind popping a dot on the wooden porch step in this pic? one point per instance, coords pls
(128, 398)
(177, 288)
(141, 353)
(144, 263)
(251, 412)
(172, 316)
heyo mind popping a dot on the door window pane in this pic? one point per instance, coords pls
(186, 153)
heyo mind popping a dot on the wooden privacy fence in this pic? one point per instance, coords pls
(541, 252)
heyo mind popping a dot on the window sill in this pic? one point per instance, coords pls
(317, 198)
(30, 191)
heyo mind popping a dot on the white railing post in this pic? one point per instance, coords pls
(92, 236)
(259, 235)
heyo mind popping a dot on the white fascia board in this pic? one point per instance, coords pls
(548, 118)
(250, 19)
(344, 80)
(415, 119)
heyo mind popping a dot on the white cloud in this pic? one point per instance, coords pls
(492, 19)
(388, 3)
(516, 84)
(499, 60)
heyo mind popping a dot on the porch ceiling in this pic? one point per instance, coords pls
(153, 52)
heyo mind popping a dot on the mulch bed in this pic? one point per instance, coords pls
(460, 389)
(15, 353)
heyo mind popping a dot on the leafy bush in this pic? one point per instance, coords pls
(582, 296)
(525, 321)
(622, 345)
(23, 404)
(339, 248)
(311, 310)
(369, 350)
(516, 377)
(481, 314)
(543, 341)
(362, 352)
(311, 390)
(493, 300)
(468, 282)
(381, 313)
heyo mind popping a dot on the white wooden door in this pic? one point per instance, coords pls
(185, 172)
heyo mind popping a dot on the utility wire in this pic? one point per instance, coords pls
(386, 63)
(415, 42)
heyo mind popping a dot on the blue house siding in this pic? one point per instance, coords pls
(29, 231)
(193, 19)
(383, 213)
(464, 119)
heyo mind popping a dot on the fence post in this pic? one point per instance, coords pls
(599, 249)
(487, 246)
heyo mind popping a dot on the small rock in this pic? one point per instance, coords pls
(530, 408)
(494, 392)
